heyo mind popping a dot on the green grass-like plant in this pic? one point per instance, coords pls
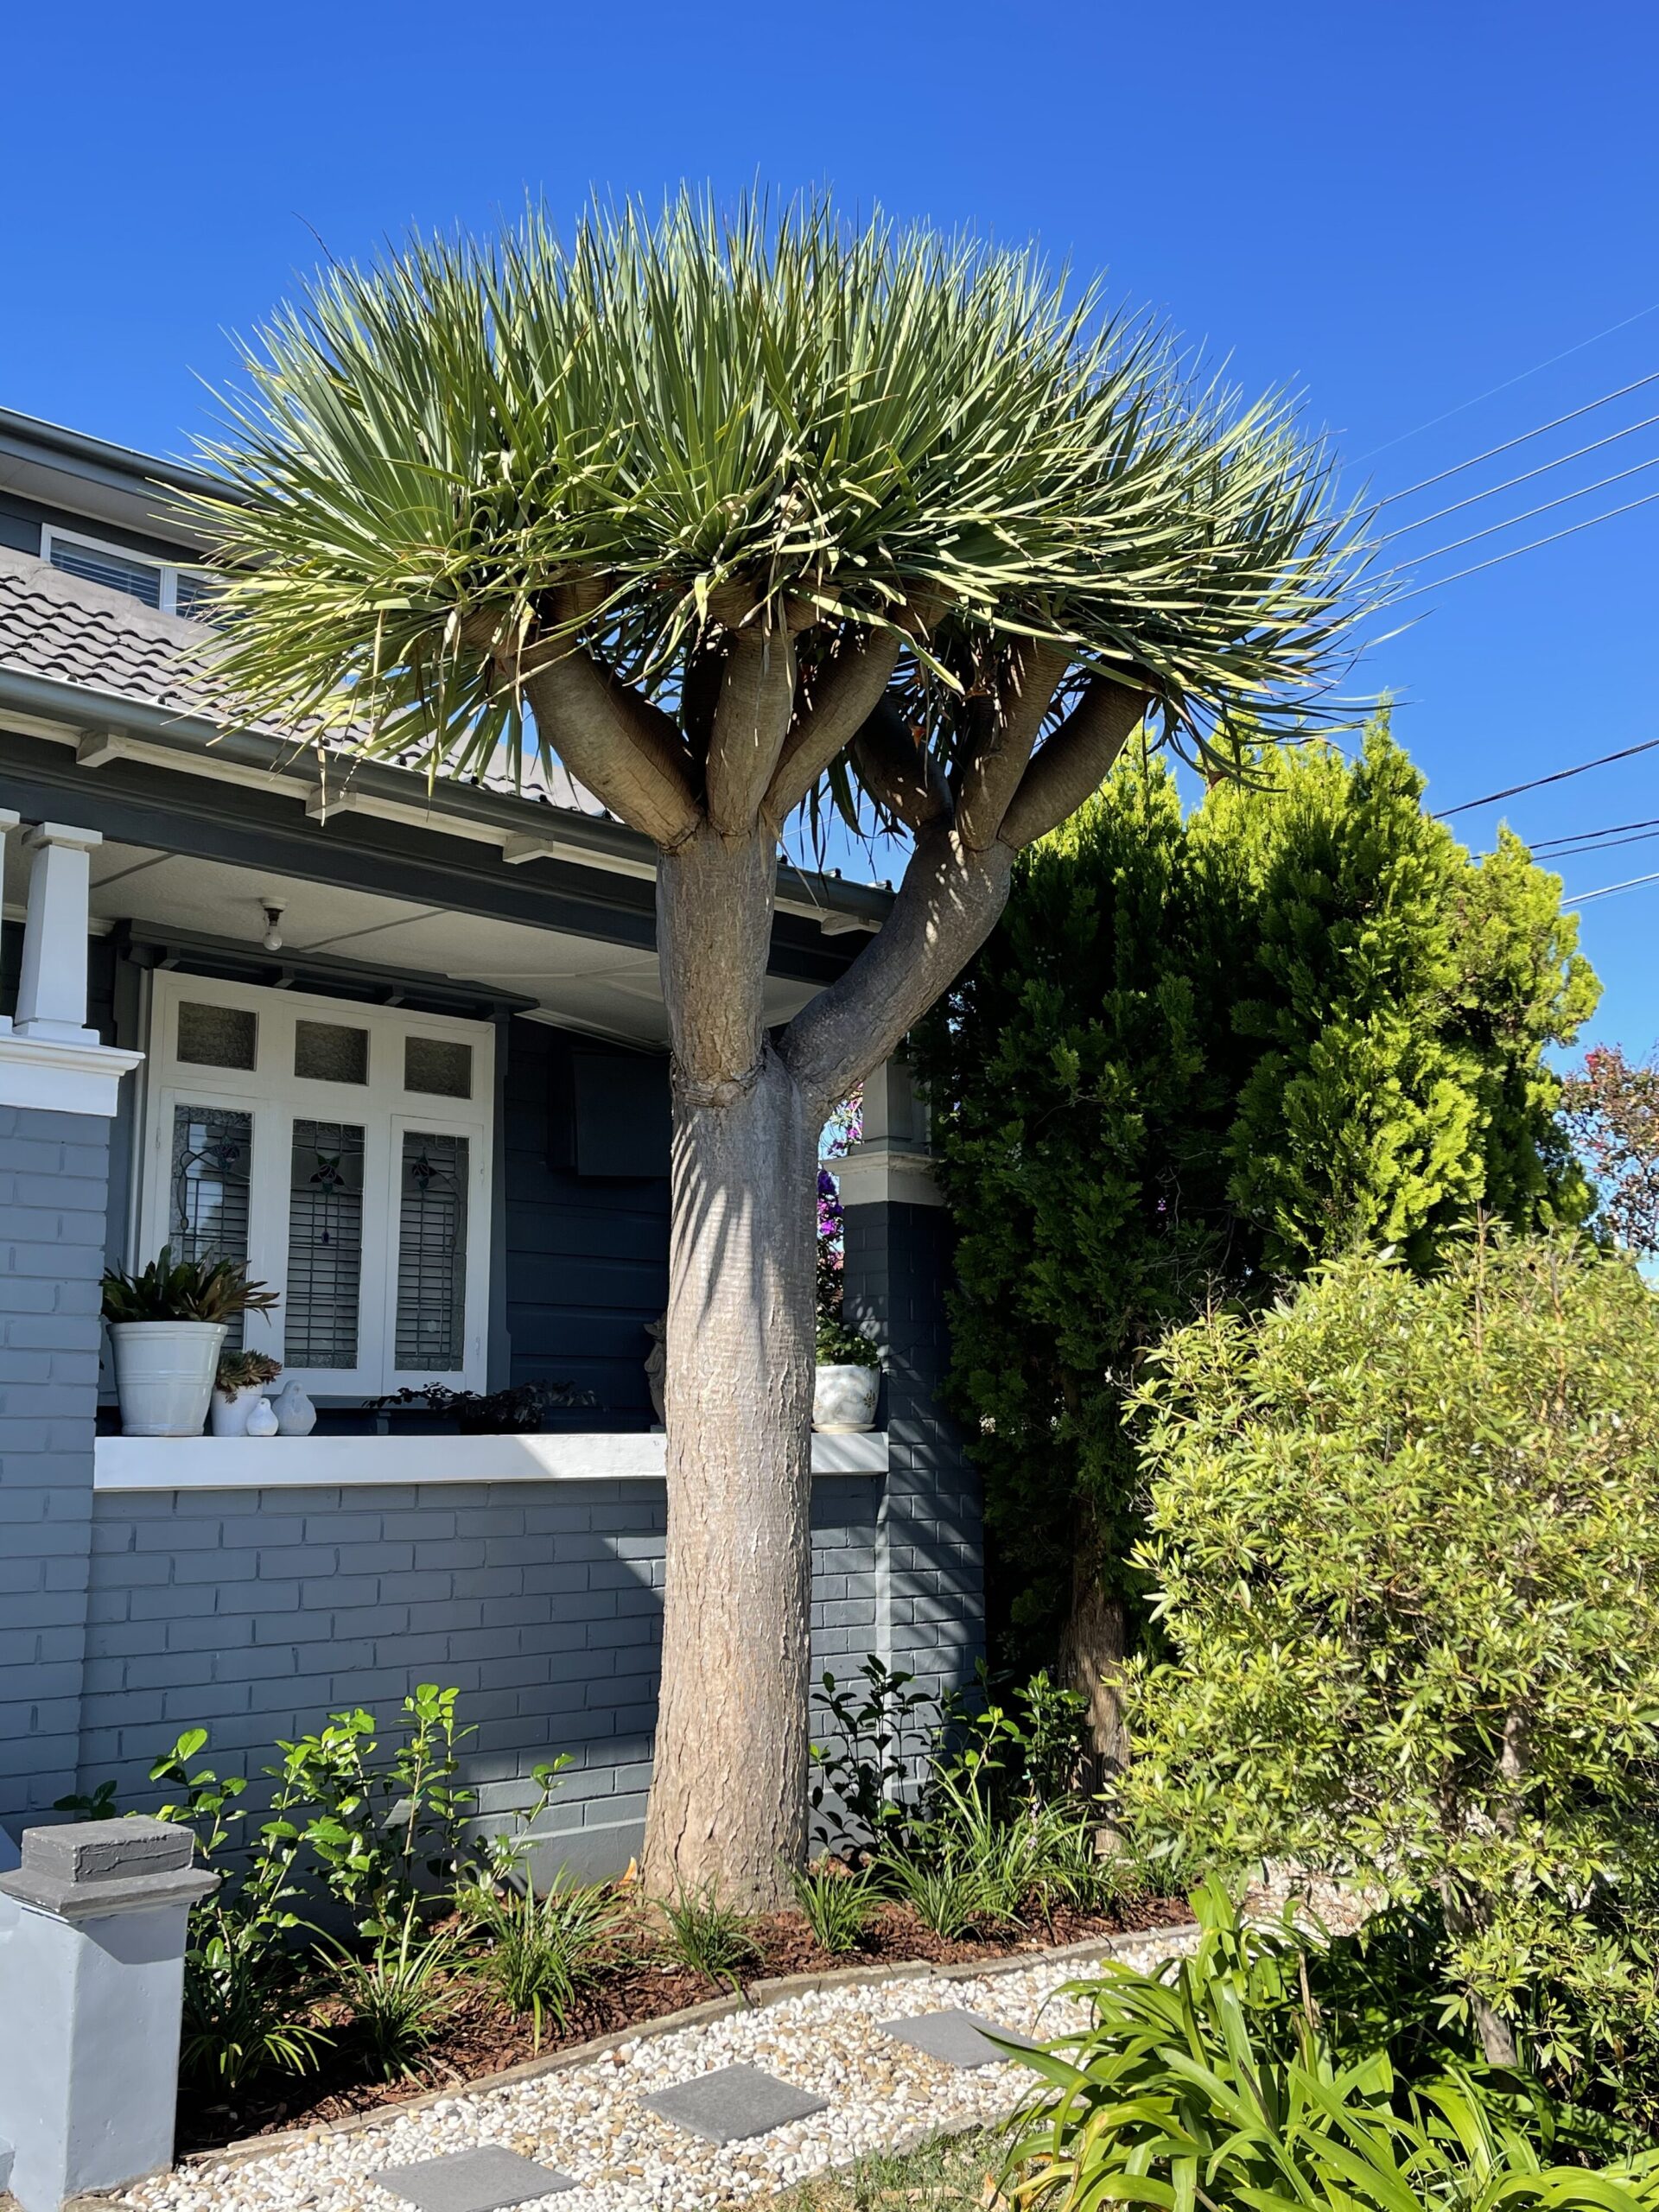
(836, 1904)
(544, 1947)
(400, 1992)
(708, 1937)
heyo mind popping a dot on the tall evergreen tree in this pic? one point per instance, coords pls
(1199, 1054)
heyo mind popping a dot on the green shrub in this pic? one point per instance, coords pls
(185, 1290)
(401, 1992)
(545, 1947)
(708, 1937)
(1406, 1538)
(1215, 2083)
(836, 1904)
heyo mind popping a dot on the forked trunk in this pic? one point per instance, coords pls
(728, 1803)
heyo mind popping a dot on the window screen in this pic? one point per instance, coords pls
(325, 1245)
(431, 1326)
(140, 579)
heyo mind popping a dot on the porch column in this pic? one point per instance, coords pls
(930, 1582)
(59, 1088)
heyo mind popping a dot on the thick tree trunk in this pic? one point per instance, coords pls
(1094, 1643)
(728, 1801)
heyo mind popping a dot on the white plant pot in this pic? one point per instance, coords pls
(164, 1375)
(843, 1399)
(228, 1415)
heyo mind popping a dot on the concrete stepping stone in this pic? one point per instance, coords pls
(957, 2036)
(733, 2104)
(480, 2180)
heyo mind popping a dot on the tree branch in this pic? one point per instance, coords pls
(900, 773)
(757, 699)
(626, 752)
(845, 691)
(946, 907)
(993, 773)
(1073, 762)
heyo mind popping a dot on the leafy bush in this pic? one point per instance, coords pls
(841, 1345)
(1215, 2082)
(1405, 1535)
(545, 1947)
(708, 1937)
(184, 1290)
(865, 1790)
(239, 1369)
(836, 1904)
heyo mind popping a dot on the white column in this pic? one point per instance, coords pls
(52, 991)
(9, 821)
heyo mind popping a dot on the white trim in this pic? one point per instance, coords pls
(275, 1096)
(190, 1463)
(874, 1175)
(61, 1078)
(166, 571)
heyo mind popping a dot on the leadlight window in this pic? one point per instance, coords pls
(218, 1036)
(440, 1066)
(431, 1324)
(328, 1051)
(212, 1166)
(325, 1245)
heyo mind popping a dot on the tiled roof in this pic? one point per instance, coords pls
(66, 631)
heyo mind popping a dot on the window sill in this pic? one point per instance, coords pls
(185, 1463)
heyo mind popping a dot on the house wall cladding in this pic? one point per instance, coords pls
(54, 1178)
(256, 1612)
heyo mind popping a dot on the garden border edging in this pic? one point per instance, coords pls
(773, 1990)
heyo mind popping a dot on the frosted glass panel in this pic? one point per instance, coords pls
(216, 1036)
(328, 1052)
(207, 1209)
(431, 1328)
(438, 1065)
(325, 1245)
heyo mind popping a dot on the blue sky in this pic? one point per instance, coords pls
(1392, 208)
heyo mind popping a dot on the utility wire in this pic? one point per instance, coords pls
(1531, 546)
(1543, 844)
(1601, 845)
(1608, 889)
(1492, 452)
(1490, 799)
(1537, 369)
(1525, 477)
(1544, 506)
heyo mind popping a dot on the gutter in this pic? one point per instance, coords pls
(112, 726)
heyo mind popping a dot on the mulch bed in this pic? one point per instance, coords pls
(481, 2038)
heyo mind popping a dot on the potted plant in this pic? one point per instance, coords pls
(166, 1328)
(849, 1380)
(243, 1379)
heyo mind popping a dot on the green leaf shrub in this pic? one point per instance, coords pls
(1205, 1049)
(1404, 1535)
(184, 1290)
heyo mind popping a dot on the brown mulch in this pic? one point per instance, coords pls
(481, 2038)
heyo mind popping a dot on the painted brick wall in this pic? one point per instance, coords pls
(930, 1558)
(53, 1173)
(258, 1612)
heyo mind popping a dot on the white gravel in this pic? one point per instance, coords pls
(588, 2121)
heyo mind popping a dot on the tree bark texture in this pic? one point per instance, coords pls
(727, 1806)
(1094, 1644)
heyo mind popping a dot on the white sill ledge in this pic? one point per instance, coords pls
(339, 1462)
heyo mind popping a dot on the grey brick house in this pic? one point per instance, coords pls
(403, 1050)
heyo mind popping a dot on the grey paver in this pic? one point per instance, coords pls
(957, 2036)
(733, 2104)
(480, 2180)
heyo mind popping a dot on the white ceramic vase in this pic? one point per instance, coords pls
(844, 1399)
(262, 1419)
(295, 1415)
(164, 1375)
(229, 1414)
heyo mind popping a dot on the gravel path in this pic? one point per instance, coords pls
(588, 2119)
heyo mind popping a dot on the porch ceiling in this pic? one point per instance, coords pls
(610, 990)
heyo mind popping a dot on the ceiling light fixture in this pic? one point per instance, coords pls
(275, 909)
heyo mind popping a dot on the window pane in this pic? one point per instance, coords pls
(431, 1255)
(208, 1212)
(216, 1036)
(193, 594)
(439, 1066)
(326, 1051)
(325, 1244)
(139, 579)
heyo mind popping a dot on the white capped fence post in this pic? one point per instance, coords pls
(52, 988)
(92, 1981)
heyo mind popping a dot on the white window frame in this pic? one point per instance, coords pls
(275, 1097)
(169, 571)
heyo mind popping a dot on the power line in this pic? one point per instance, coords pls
(1525, 477)
(1608, 889)
(1613, 828)
(1526, 514)
(1531, 546)
(1537, 369)
(1574, 852)
(1490, 799)
(1492, 452)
